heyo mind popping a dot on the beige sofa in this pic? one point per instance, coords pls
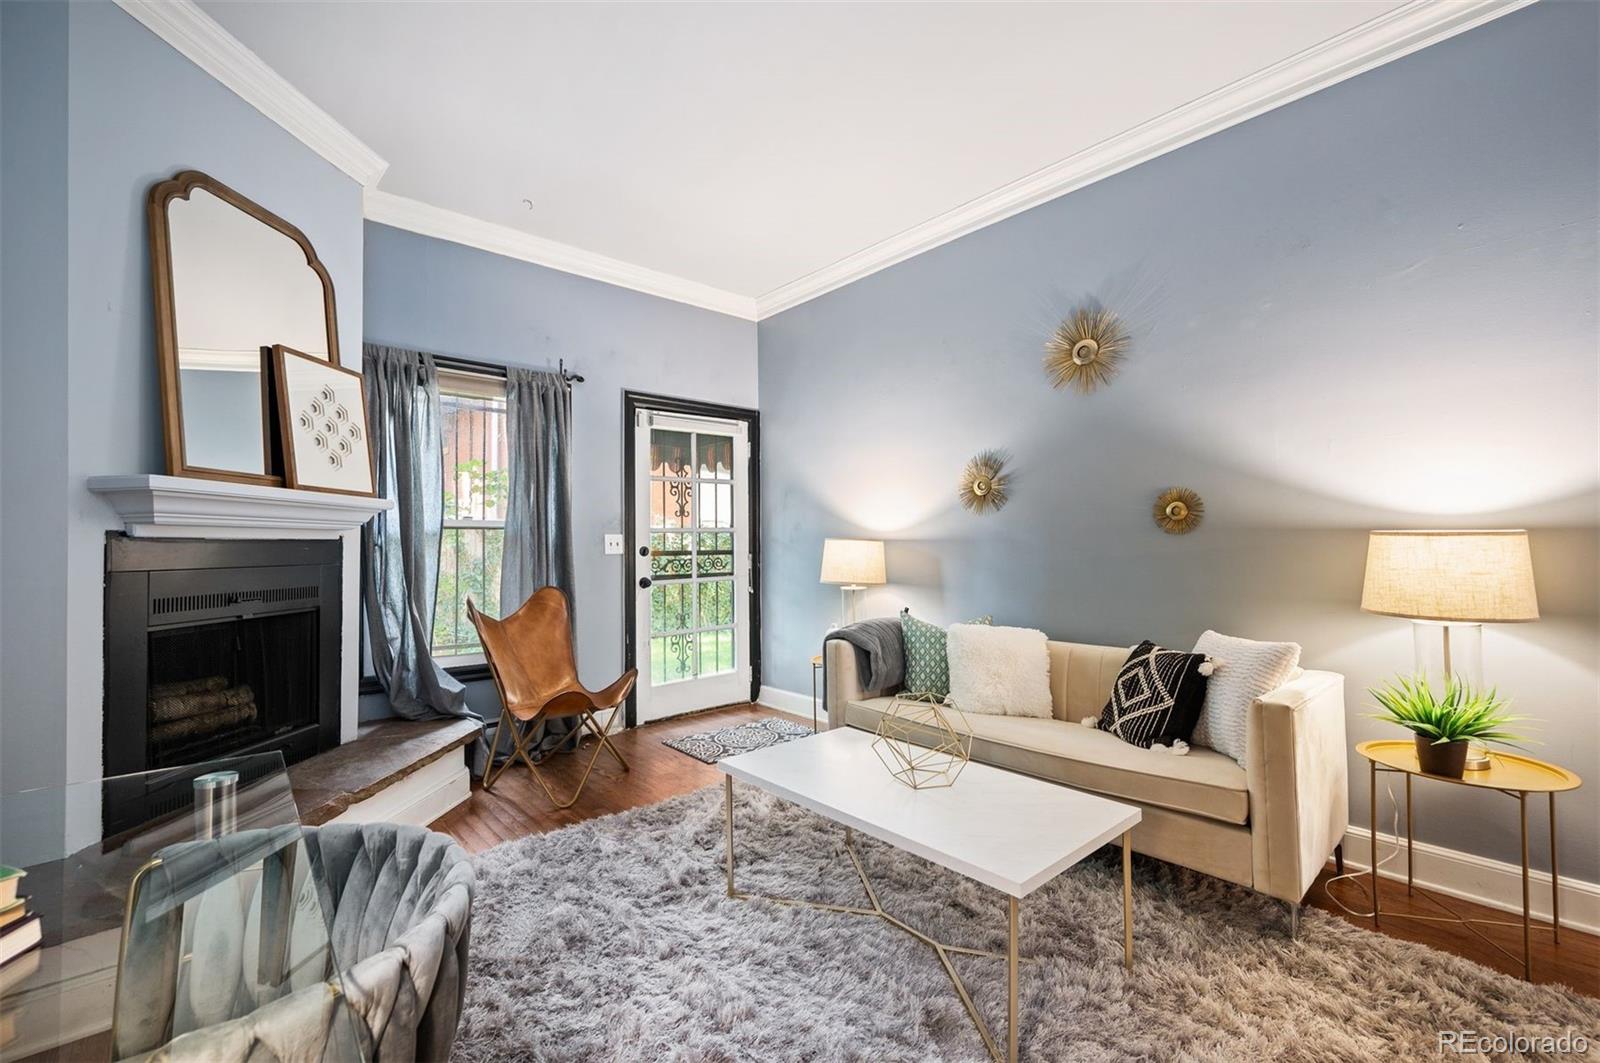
(1270, 825)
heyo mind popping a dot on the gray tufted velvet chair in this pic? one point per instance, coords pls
(401, 899)
(399, 905)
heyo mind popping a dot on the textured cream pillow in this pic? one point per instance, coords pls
(1243, 670)
(999, 671)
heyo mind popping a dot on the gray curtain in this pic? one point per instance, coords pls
(400, 548)
(538, 540)
(538, 549)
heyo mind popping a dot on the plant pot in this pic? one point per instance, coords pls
(1447, 758)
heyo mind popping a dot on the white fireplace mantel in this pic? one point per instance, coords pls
(181, 507)
(188, 507)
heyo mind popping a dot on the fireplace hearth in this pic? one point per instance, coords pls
(216, 648)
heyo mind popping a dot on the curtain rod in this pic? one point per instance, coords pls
(468, 365)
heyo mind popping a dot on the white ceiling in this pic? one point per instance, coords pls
(744, 146)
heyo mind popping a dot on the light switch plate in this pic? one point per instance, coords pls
(614, 544)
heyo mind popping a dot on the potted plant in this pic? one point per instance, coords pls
(1444, 726)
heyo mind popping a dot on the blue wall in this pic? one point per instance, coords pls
(33, 339)
(111, 109)
(443, 297)
(1374, 307)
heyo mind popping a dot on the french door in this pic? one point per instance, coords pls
(691, 560)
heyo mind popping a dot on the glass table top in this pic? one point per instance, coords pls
(204, 914)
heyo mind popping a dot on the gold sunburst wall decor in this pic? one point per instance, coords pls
(1178, 510)
(1086, 349)
(984, 481)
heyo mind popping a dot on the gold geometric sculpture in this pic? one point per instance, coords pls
(1085, 349)
(1178, 510)
(983, 481)
(944, 749)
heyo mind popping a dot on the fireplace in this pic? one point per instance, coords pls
(216, 648)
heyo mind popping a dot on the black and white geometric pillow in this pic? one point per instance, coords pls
(1157, 696)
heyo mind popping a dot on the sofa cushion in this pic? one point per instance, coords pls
(1203, 783)
(1080, 677)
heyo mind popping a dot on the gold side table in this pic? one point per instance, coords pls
(816, 666)
(1508, 773)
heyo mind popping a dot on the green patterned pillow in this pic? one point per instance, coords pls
(927, 667)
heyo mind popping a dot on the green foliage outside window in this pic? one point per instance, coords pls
(469, 558)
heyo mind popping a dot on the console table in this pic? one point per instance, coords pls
(1508, 773)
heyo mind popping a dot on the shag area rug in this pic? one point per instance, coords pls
(613, 940)
(708, 747)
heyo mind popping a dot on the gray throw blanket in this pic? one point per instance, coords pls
(880, 650)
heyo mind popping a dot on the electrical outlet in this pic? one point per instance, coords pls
(613, 544)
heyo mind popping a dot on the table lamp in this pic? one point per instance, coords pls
(854, 564)
(1451, 583)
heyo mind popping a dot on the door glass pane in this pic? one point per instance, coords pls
(672, 658)
(716, 603)
(671, 503)
(670, 556)
(716, 652)
(669, 453)
(716, 505)
(714, 554)
(715, 457)
(670, 607)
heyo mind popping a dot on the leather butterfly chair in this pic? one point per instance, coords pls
(530, 656)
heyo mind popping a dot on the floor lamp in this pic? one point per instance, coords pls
(1451, 583)
(855, 565)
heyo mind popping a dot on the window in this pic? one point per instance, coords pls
(475, 485)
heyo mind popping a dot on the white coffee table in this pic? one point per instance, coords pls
(1008, 831)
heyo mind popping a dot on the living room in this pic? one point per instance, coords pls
(777, 532)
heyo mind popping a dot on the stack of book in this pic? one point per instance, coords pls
(20, 934)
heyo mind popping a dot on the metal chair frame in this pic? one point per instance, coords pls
(520, 734)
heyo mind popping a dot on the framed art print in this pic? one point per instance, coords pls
(322, 411)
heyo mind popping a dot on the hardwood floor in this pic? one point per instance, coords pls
(517, 807)
(1574, 962)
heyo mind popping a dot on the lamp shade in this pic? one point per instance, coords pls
(1469, 577)
(852, 562)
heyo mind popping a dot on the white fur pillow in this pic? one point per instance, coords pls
(999, 671)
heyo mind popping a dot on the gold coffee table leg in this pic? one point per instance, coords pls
(1127, 899)
(727, 796)
(942, 950)
(1011, 990)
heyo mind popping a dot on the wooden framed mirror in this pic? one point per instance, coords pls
(230, 279)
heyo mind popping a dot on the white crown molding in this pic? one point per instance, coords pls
(1380, 40)
(389, 209)
(203, 41)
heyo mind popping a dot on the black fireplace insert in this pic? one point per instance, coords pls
(216, 648)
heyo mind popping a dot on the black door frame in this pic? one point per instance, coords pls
(632, 403)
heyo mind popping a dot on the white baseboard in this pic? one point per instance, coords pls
(419, 798)
(789, 702)
(1492, 883)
